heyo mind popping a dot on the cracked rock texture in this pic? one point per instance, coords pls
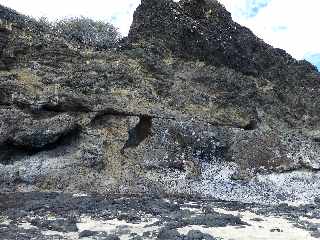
(190, 103)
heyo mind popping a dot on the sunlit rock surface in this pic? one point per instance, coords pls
(189, 104)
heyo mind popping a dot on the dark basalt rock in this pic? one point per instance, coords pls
(216, 220)
(198, 235)
(87, 233)
(204, 30)
(21, 130)
(59, 225)
(169, 234)
(40, 208)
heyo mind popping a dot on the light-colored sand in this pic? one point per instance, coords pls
(310, 220)
(114, 226)
(69, 236)
(270, 228)
(260, 227)
(193, 210)
(26, 225)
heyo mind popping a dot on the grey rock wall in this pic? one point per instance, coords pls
(190, 103)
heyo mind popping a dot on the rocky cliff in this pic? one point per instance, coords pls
(190, 103)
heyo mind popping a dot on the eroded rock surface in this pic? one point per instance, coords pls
(190, 103)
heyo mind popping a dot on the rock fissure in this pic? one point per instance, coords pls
(252, 125)
(12, 151)
(139, 133)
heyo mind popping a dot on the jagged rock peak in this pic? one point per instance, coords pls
(203, 8)
(204, 30)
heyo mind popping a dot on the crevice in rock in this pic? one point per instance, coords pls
(113, 112)
(63, 140)
(303, 167)
(66, 107)
(252, 125)
(139, 133)
(171, 166)
(11, 152)
(316, 140)
(47, 111)
(50, 111)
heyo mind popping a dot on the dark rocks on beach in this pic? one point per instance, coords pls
(65, 216)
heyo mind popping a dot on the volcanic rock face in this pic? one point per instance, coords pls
(190, 103)
(203, 30)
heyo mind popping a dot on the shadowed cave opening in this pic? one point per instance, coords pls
(139, 133)
(252, 125)
(11, 152)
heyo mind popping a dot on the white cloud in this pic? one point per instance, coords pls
(288, 24)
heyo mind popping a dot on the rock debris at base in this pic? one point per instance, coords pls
(66, 216)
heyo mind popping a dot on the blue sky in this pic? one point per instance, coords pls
(314, 58)
(288, 24)
(251, 8)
